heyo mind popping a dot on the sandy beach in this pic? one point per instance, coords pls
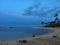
(47, 39)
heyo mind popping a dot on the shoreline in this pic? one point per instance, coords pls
(56, 32)
(38, 35)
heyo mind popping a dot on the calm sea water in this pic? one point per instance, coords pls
(20, 32)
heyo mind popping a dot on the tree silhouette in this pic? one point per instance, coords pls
(55, 23)
(56, 18)
(42, 22)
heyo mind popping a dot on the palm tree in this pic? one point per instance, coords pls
(56, 15)
(56, 18)
(42, 22)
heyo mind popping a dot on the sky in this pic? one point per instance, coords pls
(11, 11)
(17, 7)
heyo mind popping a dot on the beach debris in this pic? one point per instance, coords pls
(54, 36)
(24, 41)
(33, 35)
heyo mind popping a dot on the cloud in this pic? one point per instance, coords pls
(17, 6)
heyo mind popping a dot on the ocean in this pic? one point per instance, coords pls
(13, 33)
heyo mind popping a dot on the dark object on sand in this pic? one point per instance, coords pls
(24, 41)
(54, 36)
(33, 35)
